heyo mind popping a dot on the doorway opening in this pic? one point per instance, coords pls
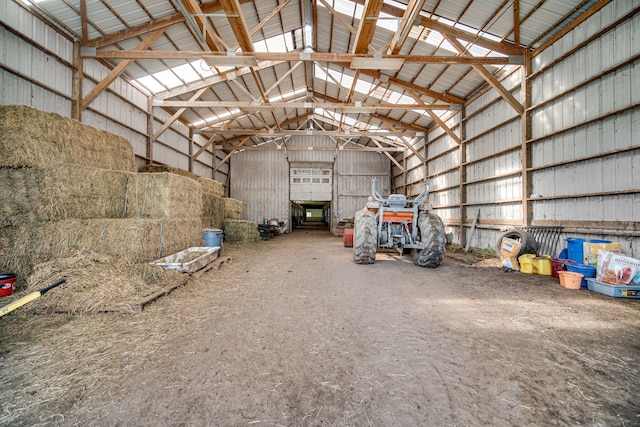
(310, 214)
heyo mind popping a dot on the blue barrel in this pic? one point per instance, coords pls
(212, 237)
(575, 250)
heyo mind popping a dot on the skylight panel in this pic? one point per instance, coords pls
(288, 95)
(186, 73)
(168, 78)
(151, 84)
(217, 118)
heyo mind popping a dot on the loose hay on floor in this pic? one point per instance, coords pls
(97, 283)
(241, 231)
(34, 138)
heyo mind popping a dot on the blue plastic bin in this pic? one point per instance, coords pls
(576, 250)
(587, 271)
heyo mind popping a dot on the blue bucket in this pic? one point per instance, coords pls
(213, 237)
(587, 271)
(575, 250)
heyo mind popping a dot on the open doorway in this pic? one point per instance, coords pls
(307, 214)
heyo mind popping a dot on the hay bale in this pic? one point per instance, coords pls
(240, 231)
(133, 240)
(208, 185)
(211, 186)
(163, 195)
(212, 211)
(233, 209)
(32, 195)
(97, 283)
(34, 138)
(169, 169)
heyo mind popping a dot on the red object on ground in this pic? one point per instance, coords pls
(6, 284)
(348, 238)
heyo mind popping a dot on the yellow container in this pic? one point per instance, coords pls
(542, 265)
(526, 263)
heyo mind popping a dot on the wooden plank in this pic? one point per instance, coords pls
(368, 24)
(110, 78)
(473, 230)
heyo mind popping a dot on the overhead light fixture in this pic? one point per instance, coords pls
(231, 60)
(392, 64)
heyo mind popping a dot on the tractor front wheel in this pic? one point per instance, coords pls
(365, 240)
(434, 240)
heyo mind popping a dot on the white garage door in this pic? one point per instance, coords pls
(310, 184)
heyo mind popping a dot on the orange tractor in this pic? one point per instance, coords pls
(399, 223)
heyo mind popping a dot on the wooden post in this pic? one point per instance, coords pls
(76, 84)
(463, 178)
(190, 149)
(150, 129)
(525, 87)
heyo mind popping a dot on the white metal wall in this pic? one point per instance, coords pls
(585, 101)
(260, 178)
(353, 171)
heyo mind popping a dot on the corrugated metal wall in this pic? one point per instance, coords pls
(41, 76)
(585, 110)
(352, 173)
(260, 178)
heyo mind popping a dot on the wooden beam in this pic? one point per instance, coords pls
(384, 150)
(300, 56)
(247, 105)
(113, 74)
(83, 20)
(408, 19)
(405, 142)
(270, 133)
(579, 20)
(213, 137)
(287, 74)
(437, 119)
(76, 82)
(238, 24)
(193, 7)
(368, 24)
(137, 30)
(338, 17)
(488, 77)
(516, 22)
(176, 116)
(223, 161)
(210, 81)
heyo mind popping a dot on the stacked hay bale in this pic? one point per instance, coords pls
(215, 207)
(70, 188)
(240, 231)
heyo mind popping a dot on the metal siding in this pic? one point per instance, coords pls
(261, 180)
(352, 180)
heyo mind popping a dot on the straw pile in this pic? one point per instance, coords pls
(213, 212)
(162, 195)
(132, 240)
(98, 283)
(32, 195)
(233, 209)
(240, 231)
(33, 138)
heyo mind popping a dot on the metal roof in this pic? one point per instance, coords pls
(302, 78)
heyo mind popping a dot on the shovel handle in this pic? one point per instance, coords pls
(48, 288)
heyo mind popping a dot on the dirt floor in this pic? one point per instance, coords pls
(292, 333)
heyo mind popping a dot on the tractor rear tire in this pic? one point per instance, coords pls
(434, 240)
(365, 237)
